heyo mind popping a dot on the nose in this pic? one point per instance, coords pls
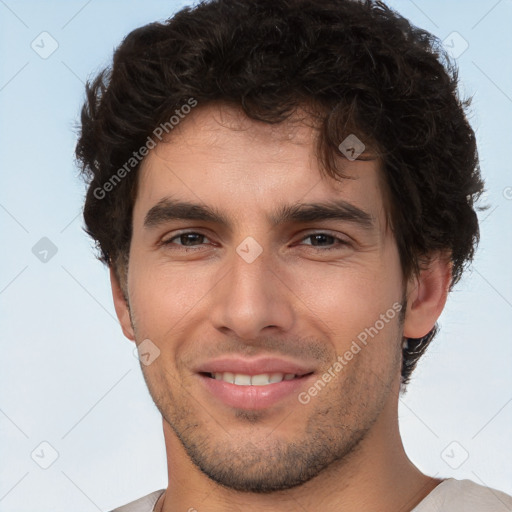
(252, 298)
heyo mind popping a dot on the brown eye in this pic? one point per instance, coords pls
(325, 241)
(189, 239)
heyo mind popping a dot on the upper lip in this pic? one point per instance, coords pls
(254, 366)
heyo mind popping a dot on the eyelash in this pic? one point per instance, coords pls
(341, 242)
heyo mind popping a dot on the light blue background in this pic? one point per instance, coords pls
(68, 376)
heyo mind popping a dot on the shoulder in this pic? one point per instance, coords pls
(453, 495)
(144, 504)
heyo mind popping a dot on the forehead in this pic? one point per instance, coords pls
(216, 155)
(212, 122)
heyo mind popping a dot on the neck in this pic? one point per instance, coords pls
(376, 476)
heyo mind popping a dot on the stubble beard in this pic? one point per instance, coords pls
(334, 431)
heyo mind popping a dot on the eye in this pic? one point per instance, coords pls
(186, 239)
(318, 241)
(325, 241)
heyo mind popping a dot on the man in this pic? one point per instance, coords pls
(283, 191)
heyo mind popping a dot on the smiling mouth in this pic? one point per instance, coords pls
(263, 379)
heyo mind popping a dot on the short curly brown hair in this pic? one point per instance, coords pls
(366, 69)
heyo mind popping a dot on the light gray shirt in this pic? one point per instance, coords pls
(450, 495)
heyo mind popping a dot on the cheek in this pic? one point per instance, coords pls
(162, 296)
(356, 307)
(347, 297)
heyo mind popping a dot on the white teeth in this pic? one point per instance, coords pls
(263, 379)
(242, 380)
(259, 380)
(228, 377)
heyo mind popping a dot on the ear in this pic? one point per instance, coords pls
(426, 296)
(122, 311)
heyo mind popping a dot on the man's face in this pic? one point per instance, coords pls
(202, 292)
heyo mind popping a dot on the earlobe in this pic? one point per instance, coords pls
(426, 296)
(121, 306)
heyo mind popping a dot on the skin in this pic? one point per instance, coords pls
(340, 451)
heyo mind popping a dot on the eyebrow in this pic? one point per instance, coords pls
(168, 209)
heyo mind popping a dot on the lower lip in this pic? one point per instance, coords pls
(253, 397)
